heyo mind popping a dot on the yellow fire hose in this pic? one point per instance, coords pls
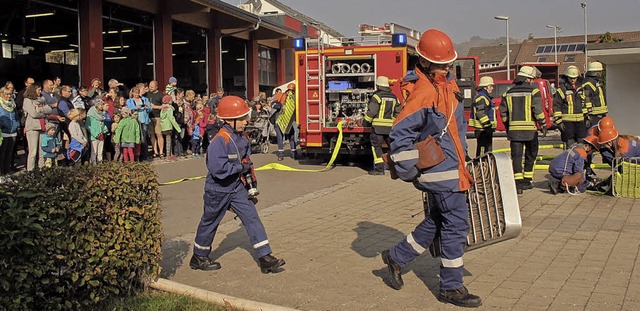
(546, 166)
(334, 154)
(280, 167)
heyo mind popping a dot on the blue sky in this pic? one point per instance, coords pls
(462, 19)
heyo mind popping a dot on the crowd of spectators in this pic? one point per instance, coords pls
(60, 124)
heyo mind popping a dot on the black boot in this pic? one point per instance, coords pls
(269, 263)
(554, 186)
(519, 188)
(280, 156)
(527, 184)
(203, 263)
(395, 272)
(378, 169)
(460, 297)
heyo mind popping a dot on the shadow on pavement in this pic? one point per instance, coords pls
(373, 238)
(235, 239)
(173, 254)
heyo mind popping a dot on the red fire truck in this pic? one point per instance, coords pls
(335, 82)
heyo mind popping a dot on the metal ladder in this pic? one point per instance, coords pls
(315, 84)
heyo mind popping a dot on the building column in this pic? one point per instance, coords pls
(90, 45)
(253, 74)
(214, 60)
(281, 66)
(163, 60)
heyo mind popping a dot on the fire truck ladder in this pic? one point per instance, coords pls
(314, 65)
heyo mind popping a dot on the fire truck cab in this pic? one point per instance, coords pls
(335, 81)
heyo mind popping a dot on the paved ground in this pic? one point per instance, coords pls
(575, 252)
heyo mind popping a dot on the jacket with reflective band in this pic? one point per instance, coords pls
(383, 108)
(520, 108)
(568, 163)
(628, 148)
(594, 96)
(224, 156)
(427, 111)
(569, 103)
(483, 111)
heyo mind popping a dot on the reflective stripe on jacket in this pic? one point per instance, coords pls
(569, 104)
(426, 113)
(382, 111)
(520, 109)
(483, 111)
(594, 96)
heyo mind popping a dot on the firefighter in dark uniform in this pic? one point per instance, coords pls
(520, 108)
(434, 111)
(407, 85)
(569, 108)
(228, 159)
(483, 116)
(594, 93)
(382, 110)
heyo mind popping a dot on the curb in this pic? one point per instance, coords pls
(229, 302)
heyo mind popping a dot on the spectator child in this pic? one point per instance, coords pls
(196, 135)
(78, 139)
(128, 134)
(168, 124)
(50, 145)
(117, 156)
(171, 89)
(97, 129)
(213, 125)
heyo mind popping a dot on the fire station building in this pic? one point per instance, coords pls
(205, 44)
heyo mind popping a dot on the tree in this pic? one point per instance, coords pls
(608, 38)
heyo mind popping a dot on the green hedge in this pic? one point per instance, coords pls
(72, 237)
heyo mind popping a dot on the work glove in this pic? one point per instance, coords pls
(543, 129)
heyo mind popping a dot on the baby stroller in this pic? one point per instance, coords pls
(258, 131)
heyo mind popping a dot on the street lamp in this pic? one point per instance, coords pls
(506, 18)
(555, 40)
(586, 59)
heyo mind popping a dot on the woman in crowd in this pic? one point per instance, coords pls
(141, 105)
(9, 125)
(36, 112)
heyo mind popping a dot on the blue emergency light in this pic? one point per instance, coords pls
(298, 44)
(398, 40)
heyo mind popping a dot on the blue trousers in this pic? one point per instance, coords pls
(290, 136)
(216, 204)
(450, 217)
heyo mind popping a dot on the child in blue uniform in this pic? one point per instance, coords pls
(568, 169)
(228, 159)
